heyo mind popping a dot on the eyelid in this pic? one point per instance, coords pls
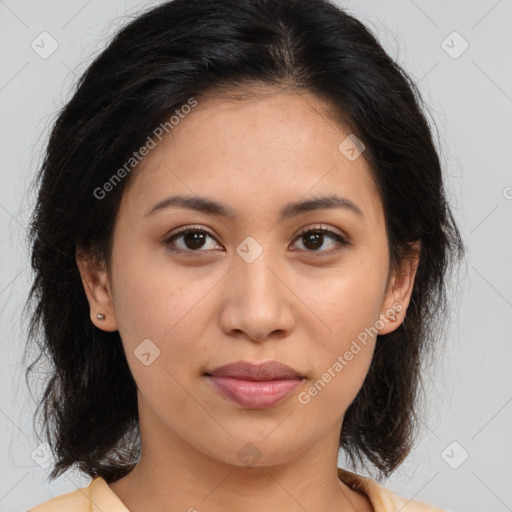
(321, 227)
(191, 227)
(340, 237)
(184, 230)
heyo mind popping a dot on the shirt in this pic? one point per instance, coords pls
(99, 497)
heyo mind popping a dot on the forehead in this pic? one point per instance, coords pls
(252, 154)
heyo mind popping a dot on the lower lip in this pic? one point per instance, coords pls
(255, 394)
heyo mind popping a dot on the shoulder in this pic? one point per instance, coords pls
(405, 504)
(382, 498)
(77, 501)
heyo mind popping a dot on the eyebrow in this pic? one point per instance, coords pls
(209, 206)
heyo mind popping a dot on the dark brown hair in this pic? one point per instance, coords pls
(154, 65)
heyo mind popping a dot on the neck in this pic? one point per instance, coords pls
(178, 476)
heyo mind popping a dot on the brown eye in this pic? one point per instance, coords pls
(193, 239)
(314, 239)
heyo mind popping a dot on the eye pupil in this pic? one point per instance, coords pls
(193, 240)
(196, 238)
(315, 237)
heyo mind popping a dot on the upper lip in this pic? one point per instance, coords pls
(270, 370)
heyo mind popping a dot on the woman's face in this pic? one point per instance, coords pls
(247, 286)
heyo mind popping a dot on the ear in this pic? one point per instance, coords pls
(96, 285)
(398, 293)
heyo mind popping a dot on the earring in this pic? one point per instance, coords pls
(393, 317)
(100, 316)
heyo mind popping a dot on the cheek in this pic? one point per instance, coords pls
(161, 316)
(152, 298)
(162, 319)
(348, 299)
(348, 302)
(341, 365)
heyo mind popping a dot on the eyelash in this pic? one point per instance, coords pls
(322, 230)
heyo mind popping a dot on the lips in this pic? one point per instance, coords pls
(271, 370)
(255, 386)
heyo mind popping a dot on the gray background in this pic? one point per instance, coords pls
(470, 99)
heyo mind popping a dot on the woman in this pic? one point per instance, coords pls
(240, 247)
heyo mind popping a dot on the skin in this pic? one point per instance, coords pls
(291, 304)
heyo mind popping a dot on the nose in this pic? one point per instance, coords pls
(257, 300)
